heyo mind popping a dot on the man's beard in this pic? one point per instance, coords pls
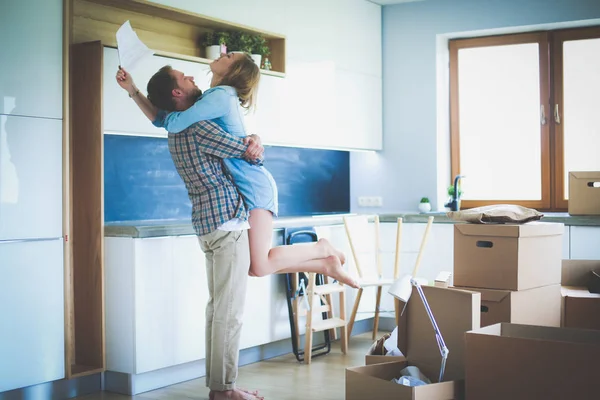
(196, 94)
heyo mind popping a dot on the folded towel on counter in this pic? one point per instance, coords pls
(499, 213)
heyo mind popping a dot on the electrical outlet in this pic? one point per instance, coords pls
(370, 201)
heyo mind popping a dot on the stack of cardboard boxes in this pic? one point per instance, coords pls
(516, 268)
(521, 351)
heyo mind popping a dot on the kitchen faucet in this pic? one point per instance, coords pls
(454, 203)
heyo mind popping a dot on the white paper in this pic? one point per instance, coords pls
(131, 49)
(391, 343)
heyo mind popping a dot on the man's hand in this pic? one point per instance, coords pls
(255, 149)
(126, 81)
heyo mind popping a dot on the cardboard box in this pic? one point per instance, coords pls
(580, 308)
(507, 256)
(371, 359)
(538, 306)
(509, 361)
(455, 311)
(584, 193)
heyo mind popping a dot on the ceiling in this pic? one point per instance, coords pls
(386, 2)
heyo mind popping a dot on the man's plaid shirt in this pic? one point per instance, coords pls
(197, 153)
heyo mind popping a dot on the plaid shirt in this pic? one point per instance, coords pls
(197, 153)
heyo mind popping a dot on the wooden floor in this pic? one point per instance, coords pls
(281, 378)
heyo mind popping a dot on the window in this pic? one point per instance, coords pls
(522, 112)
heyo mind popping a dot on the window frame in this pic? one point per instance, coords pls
(543, 40)
(558, 37)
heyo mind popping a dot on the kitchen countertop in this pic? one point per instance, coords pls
(157, 228)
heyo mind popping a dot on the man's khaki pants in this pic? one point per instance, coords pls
(227, 263)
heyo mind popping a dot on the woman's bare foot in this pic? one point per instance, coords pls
(336, 271)
(332, 251)
(236, 394)
(211, 394)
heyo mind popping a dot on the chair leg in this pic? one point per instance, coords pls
(330, 313)
(354, 311)
(376, 319)
(343, 329)
(308, 335)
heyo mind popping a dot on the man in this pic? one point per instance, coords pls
(219, 217)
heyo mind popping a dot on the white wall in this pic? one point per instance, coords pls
(408, 167)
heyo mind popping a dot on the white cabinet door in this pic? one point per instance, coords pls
(269, 121)
(566, 243)
(585, 243)
(358, 116)
(154, 304)
(31, 67)
(190, 295)
(30, 177)
(119, 292)
(121, 114)
(31, 313)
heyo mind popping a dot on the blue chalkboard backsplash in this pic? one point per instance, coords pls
(141, 183)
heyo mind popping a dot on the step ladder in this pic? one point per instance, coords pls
(309, 296)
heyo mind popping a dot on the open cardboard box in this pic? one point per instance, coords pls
(537, 306)
(456, 312)
(526, 362)
(584, 192)
(507, 256)
(580, 308)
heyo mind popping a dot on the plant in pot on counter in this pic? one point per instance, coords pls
(424, 205)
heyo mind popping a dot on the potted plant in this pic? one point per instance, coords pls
(424, 205)
(260, 49)
(239, 42)
(222, 39)
(212, 46)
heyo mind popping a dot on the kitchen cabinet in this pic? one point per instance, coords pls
(31, 313)
(31, 68)
(30, 178)
(585, 243)
(154, 304)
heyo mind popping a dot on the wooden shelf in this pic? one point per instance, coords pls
(202, 60)
(166, 30)
(85, 341)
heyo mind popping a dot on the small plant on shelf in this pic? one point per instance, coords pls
(215, 43)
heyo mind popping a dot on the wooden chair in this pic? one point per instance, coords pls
(314, 293)
(366, 252)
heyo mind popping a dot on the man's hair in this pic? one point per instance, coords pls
(160, 89)
(243, 75)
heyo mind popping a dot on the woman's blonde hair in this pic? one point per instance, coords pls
(243, 75)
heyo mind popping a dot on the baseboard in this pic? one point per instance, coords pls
(135, 384)
(57, 390)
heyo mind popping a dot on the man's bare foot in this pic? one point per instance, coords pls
(236, 394)
(336, 271)
(332, 251)
(211, 394)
